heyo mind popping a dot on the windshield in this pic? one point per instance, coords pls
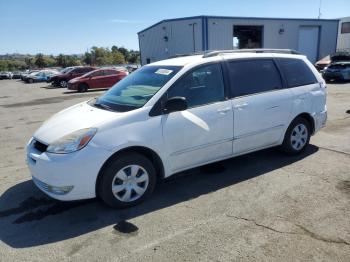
(136, 89)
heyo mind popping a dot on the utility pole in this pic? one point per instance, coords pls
(319, 10)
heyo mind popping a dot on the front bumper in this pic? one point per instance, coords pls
(66, 176)
(72, 86)
(333, 75)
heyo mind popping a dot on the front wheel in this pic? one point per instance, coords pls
(82, 88)
(127, 181)
(297, 136)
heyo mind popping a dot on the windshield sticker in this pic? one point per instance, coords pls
(165, 72)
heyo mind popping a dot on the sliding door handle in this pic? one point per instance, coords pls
(240, 106)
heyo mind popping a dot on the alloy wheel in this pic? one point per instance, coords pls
(63, 83)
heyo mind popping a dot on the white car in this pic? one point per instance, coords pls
(173, 115)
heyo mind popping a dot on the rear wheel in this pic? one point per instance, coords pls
(127, 181)
(63, 83)
(297, 136)
(83, 88)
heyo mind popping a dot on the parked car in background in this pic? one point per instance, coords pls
(16, 75)
(174, 115)
(338, 71)
(100, 78)
(26, 73)
(324, 62)
(61, 71)
(340, 56)
(61, 79)
(5, 75)
(40, 76)
(132, 68)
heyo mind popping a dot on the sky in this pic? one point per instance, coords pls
(74, 26)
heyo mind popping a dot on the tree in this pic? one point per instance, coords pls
(134, 57)
(61, 60)
(117, 58)
(49, 61)
(29, 62)
(87, 58)
(40, 61)
(3, 65)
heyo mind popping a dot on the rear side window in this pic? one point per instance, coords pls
(296, 72)
(110, 72)
(253, 76)
(86, 69)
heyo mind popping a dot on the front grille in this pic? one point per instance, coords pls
(39, 146)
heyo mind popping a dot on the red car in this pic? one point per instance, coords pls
(67, 74)
(100, 78)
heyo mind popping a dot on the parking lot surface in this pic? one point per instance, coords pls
(264, 206)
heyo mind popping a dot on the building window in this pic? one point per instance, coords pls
(345, 28)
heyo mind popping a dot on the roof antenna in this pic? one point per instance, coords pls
(319, 10)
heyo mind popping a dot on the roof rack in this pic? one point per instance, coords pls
(188, 54)
(259, 50)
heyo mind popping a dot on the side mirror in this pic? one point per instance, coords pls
(175, 104)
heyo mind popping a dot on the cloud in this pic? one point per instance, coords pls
(125, 21)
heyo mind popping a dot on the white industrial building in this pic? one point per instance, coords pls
(314, 37)
(343, 43)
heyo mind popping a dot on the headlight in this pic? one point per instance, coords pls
(72, 142)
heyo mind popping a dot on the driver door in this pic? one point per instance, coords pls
(204, 132)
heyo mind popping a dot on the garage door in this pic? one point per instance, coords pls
(308, 42)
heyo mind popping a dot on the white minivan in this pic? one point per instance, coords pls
(173, 115)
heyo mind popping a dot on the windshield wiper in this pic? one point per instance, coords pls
(102, 106)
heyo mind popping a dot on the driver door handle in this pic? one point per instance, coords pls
(224, 110)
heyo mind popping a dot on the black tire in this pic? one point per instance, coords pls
(109, 174)
(83, 88)
(63, 83)
(30, 81)
(288, 146)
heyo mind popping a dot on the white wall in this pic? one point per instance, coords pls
(220, 33)
(180, 39)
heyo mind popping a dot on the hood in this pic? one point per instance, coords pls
(76, 79)
(72, 119)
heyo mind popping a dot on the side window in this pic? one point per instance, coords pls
(253, 76)
(201, 86)
(296, 72)
(85, 70)
(345, 28)
(98, 73)
(110, 72)
(77, 71)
